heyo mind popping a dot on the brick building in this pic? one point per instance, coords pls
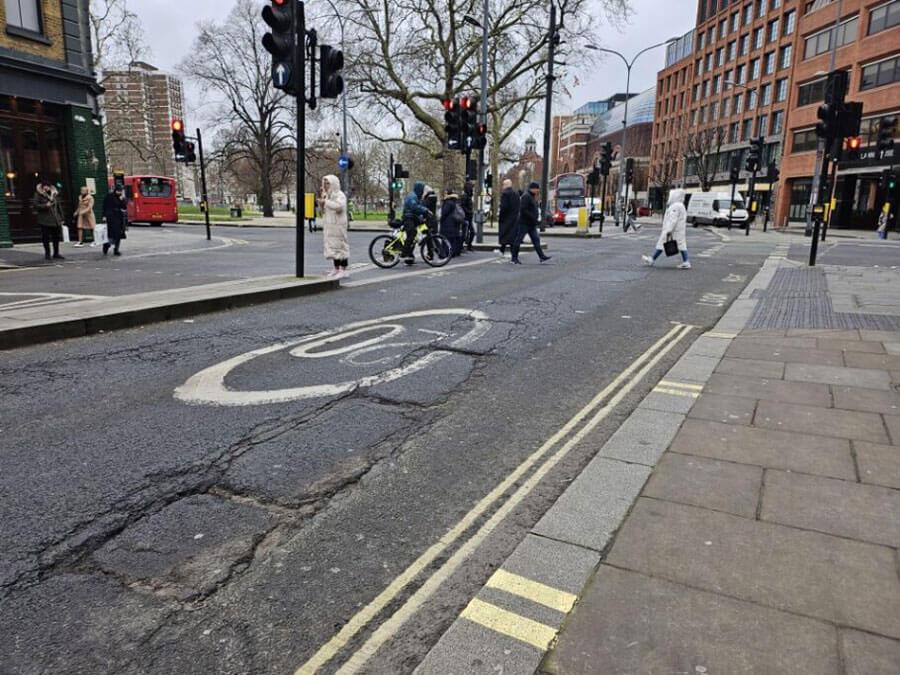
(570, 135)
(868, 47)
(528, 168)
(140, 104)
(49, 121)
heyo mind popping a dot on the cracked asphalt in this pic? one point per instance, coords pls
(146, 534)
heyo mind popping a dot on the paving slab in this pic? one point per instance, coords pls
(763, 352)
(763, 447)
(875, 361)
(880, 335)
(708, 346)
(852, 377)
(708, 483)
(892, 348)
(643, 437)
(855, 510)
(820, 421)
(825, 333)
(693, 368)
(769, 389)
(776, 342)
(834, 344)
(592, 508)
(751, 368)
(866, 654)
(850, 583)
(724, 408)
(878, 464)
(892, 422)
(867, 400)
(677, 402)
(631, 623)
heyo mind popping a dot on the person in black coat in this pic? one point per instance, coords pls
(509, 216)
(529, 219)
(114, 210)
(452, 221)
(468, 207)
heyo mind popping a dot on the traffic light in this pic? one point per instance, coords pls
(886, 127)
(190, 154)
(480, 141)
(605, 158)
(772, 172)
(468, 121)
(888, 182)
(629, 170)
(332, 60)
(827, 126)
(178, 139)
(397, 177)
(734, 172)
(279, 16)
(489, 180)
(853, 145)
(754, 157)
(452, 123)
(836, 87)
(593, 177)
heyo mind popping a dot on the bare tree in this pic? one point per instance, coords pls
(664, 171)
(411, 54)
(116, 34)
(701, 154)
(229, 64)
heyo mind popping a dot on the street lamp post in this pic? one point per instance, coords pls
(628, 65)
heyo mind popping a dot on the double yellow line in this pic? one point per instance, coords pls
(594, 412)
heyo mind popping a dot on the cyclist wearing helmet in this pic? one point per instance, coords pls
(414, 212)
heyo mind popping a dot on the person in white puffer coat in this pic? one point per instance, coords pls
(333, 203)
(674, 226)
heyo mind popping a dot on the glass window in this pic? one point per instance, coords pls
(804, 141)
(24, 14)
(708, 65)
(733, 133)
(747, 130)
(726, 107)
(800, 192)
(695, 94)
(735, 22)
(781, 89)
(732, 50)
(723, 28)
(880, 74)
(720, 56)
(757, 38)
(752, 100)
(811, 92)
(698, 67)
(7, 161)
(773, 30)
(739, 75)
(748, 14)
(884, 17)
(745, 44)
(769, 63)
(777, 122)
(714, 111)
(766, 94)
(776, 4)
(790, 22)
(821, 42)
(754, 69)
(784, 56)
(760, 8)
(762, 124)
(710, 35)
(155, 187)
(705, 88)
(738, 102)
(717, 84)
(702, 41)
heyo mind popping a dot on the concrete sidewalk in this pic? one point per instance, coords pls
(38, 319)
(745, 518)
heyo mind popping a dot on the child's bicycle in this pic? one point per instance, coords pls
(386, 250)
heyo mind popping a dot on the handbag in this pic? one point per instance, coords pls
(670, 246)
(66, 237)
(100, 234)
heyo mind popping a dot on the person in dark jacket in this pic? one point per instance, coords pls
(509, 217)
(452, 222)
(414, 212)
(114, 209)
(529, 219)
(46, 207)
(468, 207)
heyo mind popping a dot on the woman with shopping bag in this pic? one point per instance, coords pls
(84, 216)
(673, 238)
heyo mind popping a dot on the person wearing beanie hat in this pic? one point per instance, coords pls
(529, 218)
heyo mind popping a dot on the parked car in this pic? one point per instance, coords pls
(714, 208)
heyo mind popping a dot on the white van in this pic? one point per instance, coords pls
(712, 208)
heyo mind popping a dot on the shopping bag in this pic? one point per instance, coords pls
(670, 246)
(66, 238)
(100, 234)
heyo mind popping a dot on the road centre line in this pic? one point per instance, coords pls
(360, 620)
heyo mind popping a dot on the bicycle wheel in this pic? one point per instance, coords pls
(435, 250)
(384, 251)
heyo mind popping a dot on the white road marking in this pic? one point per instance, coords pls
(208, 386)
(406, 275)
(42, 299)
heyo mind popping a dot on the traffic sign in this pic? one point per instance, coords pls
(281, 74)
(343, 162)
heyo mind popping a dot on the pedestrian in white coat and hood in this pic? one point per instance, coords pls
(675, 227)
(335, 227)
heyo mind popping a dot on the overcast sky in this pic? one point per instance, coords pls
(170, 40)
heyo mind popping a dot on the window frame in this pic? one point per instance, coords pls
(886, 7)
(17, 30)
(877, 64)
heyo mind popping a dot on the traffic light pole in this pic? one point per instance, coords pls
(203, 192)
(391, 215)
(482, 110)
(548, 104)
(300, 78)
(752, 190)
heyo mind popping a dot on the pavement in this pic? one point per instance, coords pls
(744, 518)
(325, 483)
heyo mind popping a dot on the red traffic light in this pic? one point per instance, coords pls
(448, 104)
(279, 2)
(177, 125)
(854, 143)
(467, 103)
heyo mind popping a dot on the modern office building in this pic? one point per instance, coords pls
(867, 41)
(49, 120)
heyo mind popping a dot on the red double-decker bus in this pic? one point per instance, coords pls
(151, 199)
